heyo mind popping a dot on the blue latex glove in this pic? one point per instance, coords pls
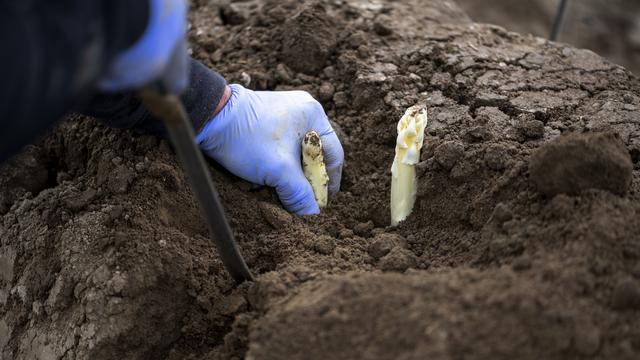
(257, 136)
(160, 55)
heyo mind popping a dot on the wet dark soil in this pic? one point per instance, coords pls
(524, 242)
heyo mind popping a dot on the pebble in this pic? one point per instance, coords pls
(629, 107)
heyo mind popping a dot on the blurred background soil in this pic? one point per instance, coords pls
(611, 28)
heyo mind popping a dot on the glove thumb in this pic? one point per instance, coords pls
(296, 194)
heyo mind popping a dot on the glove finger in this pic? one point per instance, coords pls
(334, 159)
(296, 194)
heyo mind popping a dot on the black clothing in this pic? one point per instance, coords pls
(54, 52)
(203, 94)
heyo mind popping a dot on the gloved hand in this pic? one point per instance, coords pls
(257, 136)
(159, 55)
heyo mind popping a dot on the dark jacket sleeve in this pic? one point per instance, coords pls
(53, 53)
(124, 111)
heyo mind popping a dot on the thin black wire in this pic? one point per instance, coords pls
(559, 20)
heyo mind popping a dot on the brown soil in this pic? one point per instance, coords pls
(103, 254)
(611, 28)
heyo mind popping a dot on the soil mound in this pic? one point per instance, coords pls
(424, 317)
(579, 162)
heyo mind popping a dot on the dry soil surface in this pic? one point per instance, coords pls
(524, 242)
(611, 28)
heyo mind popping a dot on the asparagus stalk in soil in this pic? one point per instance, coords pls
(314, 168)
(403, 174)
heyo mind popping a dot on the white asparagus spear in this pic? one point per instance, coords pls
(314, 167)
(403, 174)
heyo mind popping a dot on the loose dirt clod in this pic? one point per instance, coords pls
(309, 38)
(579, 162)
(383, 243)
(324, 245)
(398, 259)
(27, 172)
